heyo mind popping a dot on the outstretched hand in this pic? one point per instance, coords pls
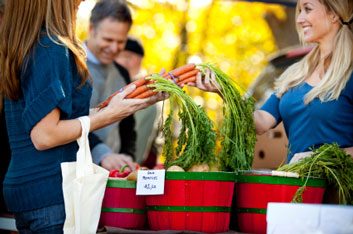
(123, 107)
(207, 83)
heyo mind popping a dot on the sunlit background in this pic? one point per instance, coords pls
(233, 35)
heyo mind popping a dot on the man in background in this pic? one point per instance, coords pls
(110, 23)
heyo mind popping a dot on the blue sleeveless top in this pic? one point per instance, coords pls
(310, 126)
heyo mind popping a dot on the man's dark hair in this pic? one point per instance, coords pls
(115, 9)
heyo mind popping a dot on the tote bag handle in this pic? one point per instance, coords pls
(84, 164)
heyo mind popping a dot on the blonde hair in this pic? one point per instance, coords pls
(20, 31)
(339, 62)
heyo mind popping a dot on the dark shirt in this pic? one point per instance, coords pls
(4, 158)
(106, 80)
(127, 125)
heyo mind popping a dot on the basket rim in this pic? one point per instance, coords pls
(268, 179)
(119, 183)
(123, 210)
(190, 208)
(213, 176)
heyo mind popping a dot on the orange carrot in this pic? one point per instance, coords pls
(188, 80)
(138, 82)
(137, 91)
(105, 103)
(180, 70)
(166, 75)
(188, 75)
(183, 69)
(150, 82)
(146, 94)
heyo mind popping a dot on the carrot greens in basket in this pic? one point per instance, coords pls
(329, 162)
(196, 140)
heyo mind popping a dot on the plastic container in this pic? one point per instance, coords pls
(309, 218)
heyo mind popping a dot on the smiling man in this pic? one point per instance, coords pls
(110, 23)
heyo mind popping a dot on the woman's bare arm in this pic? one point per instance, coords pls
(51, 131)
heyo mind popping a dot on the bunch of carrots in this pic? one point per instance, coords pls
(181, 76)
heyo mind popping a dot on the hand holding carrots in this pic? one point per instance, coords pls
(182, 75)
(207, 83)
(119, 107)
(136, 84)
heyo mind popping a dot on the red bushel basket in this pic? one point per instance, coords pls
(193, 201)
(121, 206)
(254, 191)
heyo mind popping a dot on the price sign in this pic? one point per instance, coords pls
(150, 182)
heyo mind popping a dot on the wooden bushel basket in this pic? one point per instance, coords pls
(254, 191)
(193, 201)
(122, 207)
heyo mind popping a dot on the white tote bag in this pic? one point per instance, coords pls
(83, 187)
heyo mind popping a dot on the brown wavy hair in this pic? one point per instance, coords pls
(20, 30)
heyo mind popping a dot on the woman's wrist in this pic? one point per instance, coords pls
(101, 118)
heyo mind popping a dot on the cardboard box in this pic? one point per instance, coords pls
(294, 218)
(271, 149)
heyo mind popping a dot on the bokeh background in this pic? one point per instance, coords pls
(240, 37)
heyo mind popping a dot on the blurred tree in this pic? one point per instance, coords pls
(233, 35)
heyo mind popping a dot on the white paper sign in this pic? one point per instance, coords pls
(150, 182)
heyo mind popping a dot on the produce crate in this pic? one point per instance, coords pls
(254, 191)
(121, 206)
(193, 201)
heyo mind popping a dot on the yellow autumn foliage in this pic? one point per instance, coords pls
(231, 34)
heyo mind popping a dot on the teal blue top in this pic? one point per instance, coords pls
(49, 80)
(310, 126)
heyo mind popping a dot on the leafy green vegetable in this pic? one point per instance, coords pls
(238, 128)
(331, 163)
(197, 138)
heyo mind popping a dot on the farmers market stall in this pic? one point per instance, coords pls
(205, 189)
(214, 190)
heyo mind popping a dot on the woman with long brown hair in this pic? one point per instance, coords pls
(45, 85)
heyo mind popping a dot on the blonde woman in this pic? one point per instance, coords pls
(314, 97)
(45, 85)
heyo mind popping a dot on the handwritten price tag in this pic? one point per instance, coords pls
(150, 182)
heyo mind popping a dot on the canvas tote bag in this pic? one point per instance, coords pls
(83, 187)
